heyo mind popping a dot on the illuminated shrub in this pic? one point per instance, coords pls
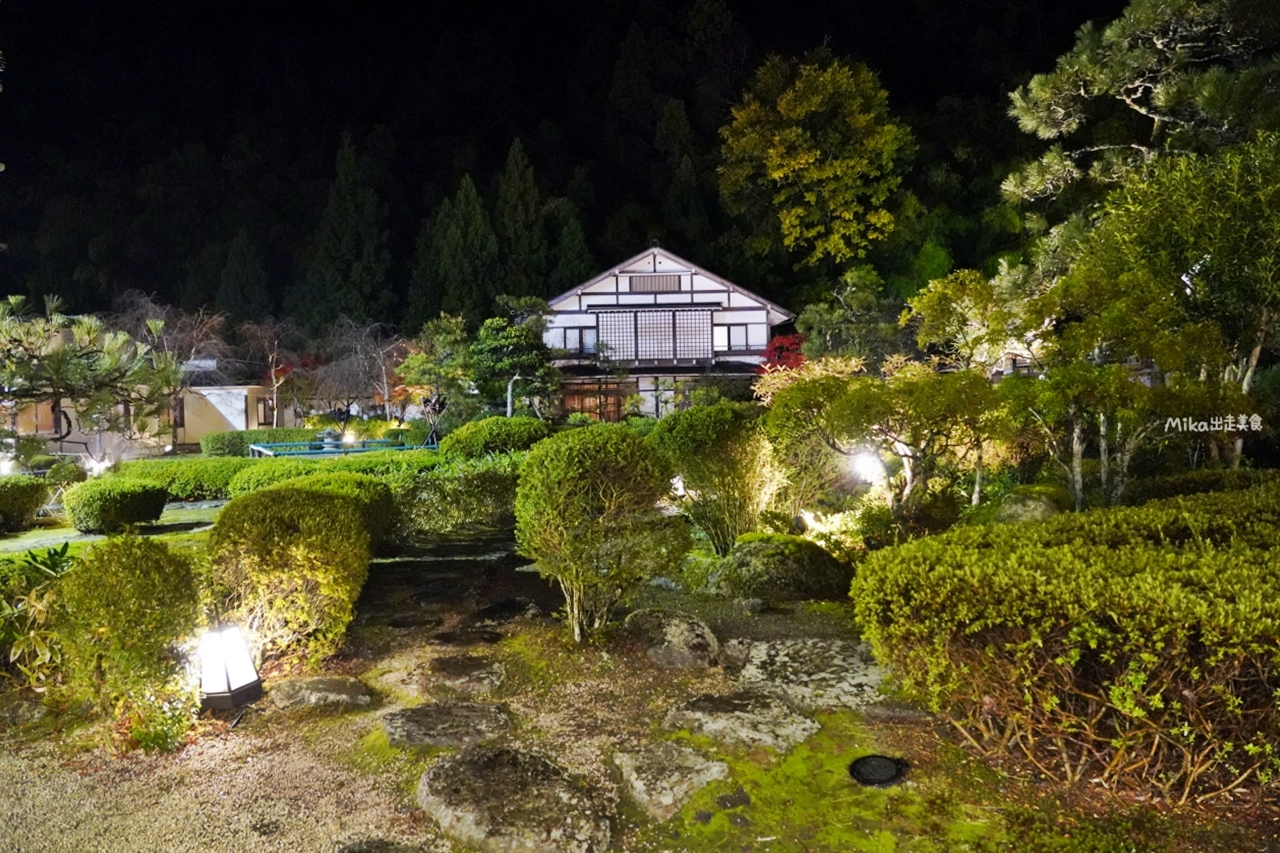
(109, 504)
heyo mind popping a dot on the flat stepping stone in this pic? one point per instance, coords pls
(415, 620)
(465, 637)
(661, 777)
(814, 673)
(18, 708)
(748, 717)
(503, 611)
(503, 800)
(453, 724)
(674, 640)
(467, 673)
(338, 691)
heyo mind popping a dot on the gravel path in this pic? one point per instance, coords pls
(231, 794)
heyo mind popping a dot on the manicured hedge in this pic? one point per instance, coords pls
(109, 504)
(384, 463)
(268, 472)
(236, 442)
(459, 495)
(373, 494)
(1139, 492)
(21, 497)
(1138, 645)
(493, 435)
(188, 479)
(289, 564)
(775, 566)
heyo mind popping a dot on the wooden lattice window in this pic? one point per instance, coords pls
(655, 335)
(618, 335)
(655, 284)
(693, 334)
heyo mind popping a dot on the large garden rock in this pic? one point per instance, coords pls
(1031, 503)
(674, 640)
(446, 724)
(814, 673)
(772, 566)
(502, 800)
(466, 673)
(503, 611)
(663, 776)
(17, 708)
(338, 691)
(750, 717)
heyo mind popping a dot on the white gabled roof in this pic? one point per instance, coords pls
(777, 314)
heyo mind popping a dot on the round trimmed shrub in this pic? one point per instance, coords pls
(109, 504)
(268, 472)
(587, 512)
(289, 564)
(384, 463)
(122, 610)
(21, 496)
(373, 494)
(493, 435)
(780, 567)
(462, 494)
(1139, 492)
(190, 479)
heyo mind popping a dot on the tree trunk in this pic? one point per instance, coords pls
(510, 390)
(1077, 460)
(1246, 382)
(977, 480)
(1104, 451)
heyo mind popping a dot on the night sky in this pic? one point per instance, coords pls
(96, 92)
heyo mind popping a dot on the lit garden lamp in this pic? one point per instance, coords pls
(228, 678)
(868, 467)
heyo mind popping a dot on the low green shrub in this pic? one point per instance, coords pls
(109, 504)
(236, 442)
(288, 564)
(268, 472)
(1140, 646)
(780, 567)
(1139, 492)
(66, 472)
(122, 612)
(42, 462)
(188, 479)
(493, 435)
(21, 496)
(373, 494)
(460, 494)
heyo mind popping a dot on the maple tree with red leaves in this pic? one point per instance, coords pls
(783, 351)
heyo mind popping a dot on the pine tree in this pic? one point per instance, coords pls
(517, 221)
(466, 257)
(426, 289)
(574, 263)
(347, 270)
(243, 293)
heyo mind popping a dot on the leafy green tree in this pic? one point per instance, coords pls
(507, 353)
(914, 415)
(854, 319)
(439, 364)
(813, 151)
(243, 293)
(519, 228)
(1167, 75)
(346, 272)
(587, 513)
(726, 466)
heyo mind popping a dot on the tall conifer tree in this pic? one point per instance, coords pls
(347, 269)
(574, 263)
(466, 257)
(242, 293)
(518, 225)
(426, 289)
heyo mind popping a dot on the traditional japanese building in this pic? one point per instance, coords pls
(651, 324)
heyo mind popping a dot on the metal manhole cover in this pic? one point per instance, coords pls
(878, 771)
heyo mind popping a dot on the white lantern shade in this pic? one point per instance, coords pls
(228, 677)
